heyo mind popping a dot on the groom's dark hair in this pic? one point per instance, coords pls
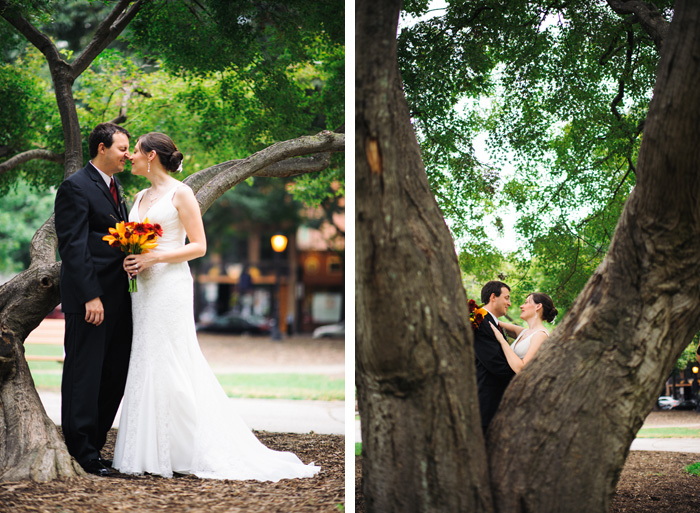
(492, 287)
(104, 133)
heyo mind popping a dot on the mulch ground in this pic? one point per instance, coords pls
(322, 493)
(655, 482)
(651, 481)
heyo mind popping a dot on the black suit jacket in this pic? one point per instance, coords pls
(493, 374)
(85, 210)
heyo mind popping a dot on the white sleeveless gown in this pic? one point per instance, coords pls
(175, 415)
(521, 345)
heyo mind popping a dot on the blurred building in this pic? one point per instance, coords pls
(303, 285)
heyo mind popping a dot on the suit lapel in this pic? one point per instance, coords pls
(498, 325)
(120, 199)
(97, 178)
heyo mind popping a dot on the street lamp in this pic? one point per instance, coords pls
(279, 243)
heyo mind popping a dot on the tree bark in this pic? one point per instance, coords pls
(576, 408)
(422, 443)
(30, 445)
(26, 156)
(646, 14)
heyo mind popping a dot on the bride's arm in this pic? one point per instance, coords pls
(513, 359)
(512, 329)
(191, 218)
(535, 343)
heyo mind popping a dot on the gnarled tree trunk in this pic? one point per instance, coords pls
(30, 445)
(422, 443)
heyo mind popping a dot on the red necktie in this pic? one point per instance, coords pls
(113, 190)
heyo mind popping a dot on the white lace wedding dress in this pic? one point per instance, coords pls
(175, 415)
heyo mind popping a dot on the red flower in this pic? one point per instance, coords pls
(476, 314)
(142, 229)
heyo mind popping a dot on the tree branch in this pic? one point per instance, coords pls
(646, 14)
(44, 244)
(276, 160)
(297, 166)
(107, 32)
(21, 158)
(33, 35)
(124, 106)
(626, 72)
(201, 178)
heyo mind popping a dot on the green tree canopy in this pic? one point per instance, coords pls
(562, 91)
(224, 79)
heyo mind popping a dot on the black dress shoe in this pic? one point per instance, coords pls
(96, 467)
(106, 463)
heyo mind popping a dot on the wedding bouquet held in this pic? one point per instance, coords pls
(134, 239)
(476, 314)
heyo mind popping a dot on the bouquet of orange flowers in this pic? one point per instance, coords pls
(134, 239)
(476, 314)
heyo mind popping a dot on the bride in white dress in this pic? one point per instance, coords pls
(175, 415)
(537, 307)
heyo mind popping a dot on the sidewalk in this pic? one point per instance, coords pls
(277, 416)
(666, 444)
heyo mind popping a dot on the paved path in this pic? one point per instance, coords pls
(277, 416)
(666, 444)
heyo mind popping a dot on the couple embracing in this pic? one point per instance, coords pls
(143, 346)
(497, 361)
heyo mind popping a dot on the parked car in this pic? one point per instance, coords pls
(690, 404)
(336, 330)
(666, 402)
(236, 324)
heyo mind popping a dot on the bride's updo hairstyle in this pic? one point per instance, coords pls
(548, 310)
(164, 146)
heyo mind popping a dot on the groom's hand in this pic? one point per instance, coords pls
(94, 311)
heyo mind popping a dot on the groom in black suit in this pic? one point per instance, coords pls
(493, 374)
(94, 297)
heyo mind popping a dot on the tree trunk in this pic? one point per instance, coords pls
(422, 443)
(30, 445)
(63, 84)
(582, 400)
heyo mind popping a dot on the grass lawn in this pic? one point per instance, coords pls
(259, 386)
(669, 432)
(283, 386)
